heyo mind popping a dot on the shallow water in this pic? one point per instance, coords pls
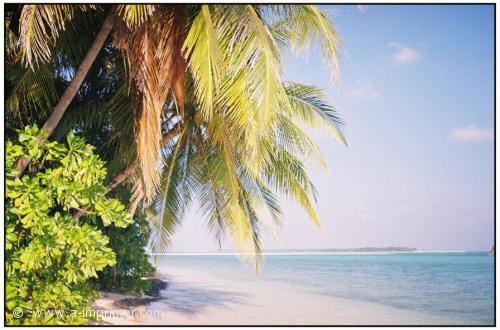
(456, 288)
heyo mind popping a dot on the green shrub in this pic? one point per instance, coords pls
(49, 256)
(132, 263)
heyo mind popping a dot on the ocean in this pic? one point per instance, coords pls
(445, 287)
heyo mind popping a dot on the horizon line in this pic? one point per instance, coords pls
(305, 252)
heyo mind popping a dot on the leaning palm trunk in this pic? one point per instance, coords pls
(74, 85)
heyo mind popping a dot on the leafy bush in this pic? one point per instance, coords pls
(49, 256)
(132, 263)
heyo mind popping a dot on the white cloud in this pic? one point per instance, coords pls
(404, 54)
(362, 8)
(364, 92)
(472, 133)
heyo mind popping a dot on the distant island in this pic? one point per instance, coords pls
(362, 249)
(329, 250)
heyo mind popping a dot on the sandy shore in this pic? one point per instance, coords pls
(195, 298)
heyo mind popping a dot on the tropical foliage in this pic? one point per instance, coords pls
(189, 101)
(132, 269)
(49, 255)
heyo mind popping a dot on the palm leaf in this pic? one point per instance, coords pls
(311, 106)
(135, 15)
(170, 204)
(153, 66)
(311, 27)
(204, 59)
(40, 26)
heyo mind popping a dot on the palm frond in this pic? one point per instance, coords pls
(311, 106)
(174, 196)
(287, 175)
(40, 26)
(151, 55)
(33, 94)
(264, 77)
(295, 140)
(311, 27)
(219, 197)
(204, 59)
(135, 15)
(254, 254)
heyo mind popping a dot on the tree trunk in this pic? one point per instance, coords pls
(113, 273)
(119, 178)
(74, 85)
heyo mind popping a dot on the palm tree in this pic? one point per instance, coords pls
(195, 90)
(238, 184)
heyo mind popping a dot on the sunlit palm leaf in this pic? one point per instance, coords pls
(204, 59)
(311, 106)
(135, 15)
(311, 27)
(40, 26)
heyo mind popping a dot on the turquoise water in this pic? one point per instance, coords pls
(458, 287)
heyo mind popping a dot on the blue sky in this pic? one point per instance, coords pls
(416, 93)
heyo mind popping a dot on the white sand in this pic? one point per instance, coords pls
(195, 298)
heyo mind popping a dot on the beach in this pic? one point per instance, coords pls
(197, 297)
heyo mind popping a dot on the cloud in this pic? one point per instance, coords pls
(471, 133)
(362, 8)
(364, 92)
(404, 54)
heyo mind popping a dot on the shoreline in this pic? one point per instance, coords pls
(199, 298)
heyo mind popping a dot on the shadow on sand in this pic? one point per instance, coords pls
(188, 298)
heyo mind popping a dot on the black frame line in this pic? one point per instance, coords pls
(304, 325)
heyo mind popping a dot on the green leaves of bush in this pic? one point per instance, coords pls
(50, 256)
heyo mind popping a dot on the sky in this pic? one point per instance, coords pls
(416, 92)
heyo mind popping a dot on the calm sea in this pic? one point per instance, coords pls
(458, 287)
